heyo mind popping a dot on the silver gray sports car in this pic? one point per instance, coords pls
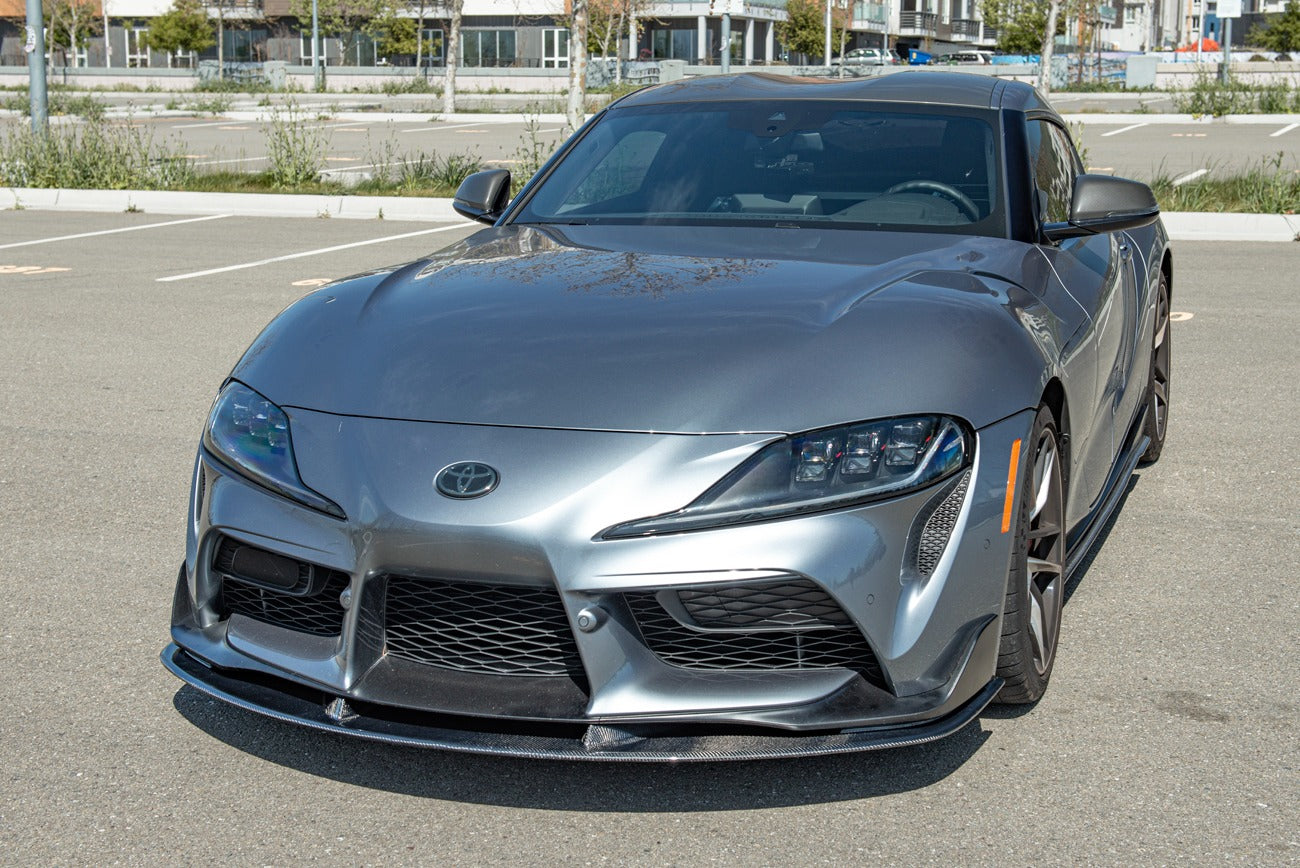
(771, 417)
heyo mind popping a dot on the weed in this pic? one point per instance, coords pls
(94, 155)
(295, 150)
(531, 153)
(1209, 96)
(1266, 188)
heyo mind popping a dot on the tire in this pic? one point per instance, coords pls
(1157, 421)
(1031, 615)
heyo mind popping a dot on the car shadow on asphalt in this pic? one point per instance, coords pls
(581, 786)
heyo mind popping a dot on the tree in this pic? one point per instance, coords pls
(454, 9)
(342, 19)
(1282, 34)
(69, 25)
(1020, 24)
(183, 27)
(393, 33)
(804, 30)
(577, 64)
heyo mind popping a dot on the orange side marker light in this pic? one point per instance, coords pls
(1011, 485)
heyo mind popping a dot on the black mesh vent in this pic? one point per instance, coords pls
(938, 528)
(492, 629)
(793, 604)
(318, 614)
(681, 646)
(312, 606)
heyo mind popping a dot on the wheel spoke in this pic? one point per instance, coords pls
(1036, 628)
(1038, 565)
(1044, 530)
(1043, 480)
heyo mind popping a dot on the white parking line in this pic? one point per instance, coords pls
(197, 126)
(311, 253)
(237, 160)
(452, 127)
(1190, 176)
(113, 231)
(1286, 129)
(1122, 130)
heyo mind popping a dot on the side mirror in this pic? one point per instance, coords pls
(1105, 204)
(483, 196)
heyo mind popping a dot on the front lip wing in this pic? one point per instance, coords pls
(599, 743)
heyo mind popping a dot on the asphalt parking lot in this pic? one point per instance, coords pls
(1171, 731)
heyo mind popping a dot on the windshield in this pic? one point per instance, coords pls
(783, 163)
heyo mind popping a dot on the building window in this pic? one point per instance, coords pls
(673, 44)
(137, 52)
(488, 48)
(555, 48)
(432, 46)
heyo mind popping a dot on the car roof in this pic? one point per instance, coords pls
(929, 87)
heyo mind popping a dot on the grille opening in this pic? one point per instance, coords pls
(800, 603)
(278, 590)
(824, 645)
(483, 628)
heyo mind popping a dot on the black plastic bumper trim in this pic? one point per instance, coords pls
(601, 742)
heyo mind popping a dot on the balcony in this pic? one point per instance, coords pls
(872, 17)
(917, 23)
(965, 30)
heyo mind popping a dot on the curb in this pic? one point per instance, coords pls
(1182, 225)
(1130, 118)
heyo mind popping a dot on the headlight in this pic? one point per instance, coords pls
(251, 435)
(823, 470)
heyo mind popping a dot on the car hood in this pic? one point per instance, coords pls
(673, 329)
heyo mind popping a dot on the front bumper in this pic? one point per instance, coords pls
(922, 667)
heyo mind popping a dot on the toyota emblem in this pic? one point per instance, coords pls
(466, 479)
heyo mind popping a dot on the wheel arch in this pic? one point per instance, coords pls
(1054, 399)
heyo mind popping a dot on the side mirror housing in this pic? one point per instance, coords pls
(483, 196)
(1105, 204)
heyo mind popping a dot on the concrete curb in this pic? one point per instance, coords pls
(1133, 118)
(1182, 226)
(239, 204)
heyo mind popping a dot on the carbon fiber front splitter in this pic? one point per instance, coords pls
(599, 742)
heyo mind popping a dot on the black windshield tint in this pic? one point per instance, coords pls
(797, 162)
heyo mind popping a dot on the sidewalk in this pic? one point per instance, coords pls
(1182, 226)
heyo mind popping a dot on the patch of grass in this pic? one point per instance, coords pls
(215, 105)
(1267, 188)
(1209, 96)
(95, 155)
(58, 103)
(226, 85)
(414, 84)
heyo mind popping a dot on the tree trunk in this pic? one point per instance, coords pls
(1049, 43)
(578, 65)
(452, 53)
(419, 39)
(221, 40)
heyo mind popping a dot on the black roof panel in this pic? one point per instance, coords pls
(911, 86)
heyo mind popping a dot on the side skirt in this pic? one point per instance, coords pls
(1086, 533)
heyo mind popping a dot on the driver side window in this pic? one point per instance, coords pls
(1054, 170)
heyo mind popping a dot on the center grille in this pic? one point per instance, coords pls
(491, 629)
(752, 628)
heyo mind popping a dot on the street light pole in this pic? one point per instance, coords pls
(317, 69)
(35, 49)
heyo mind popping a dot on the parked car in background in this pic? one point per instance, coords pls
(969, 57)
(868, 57)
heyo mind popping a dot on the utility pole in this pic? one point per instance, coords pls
(316, 67)
(827, 59)
(35, 48)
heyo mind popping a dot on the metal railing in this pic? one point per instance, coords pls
(918, 22)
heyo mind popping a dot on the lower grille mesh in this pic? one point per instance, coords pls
(318, 614)
(492, 629)
(766, 649)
